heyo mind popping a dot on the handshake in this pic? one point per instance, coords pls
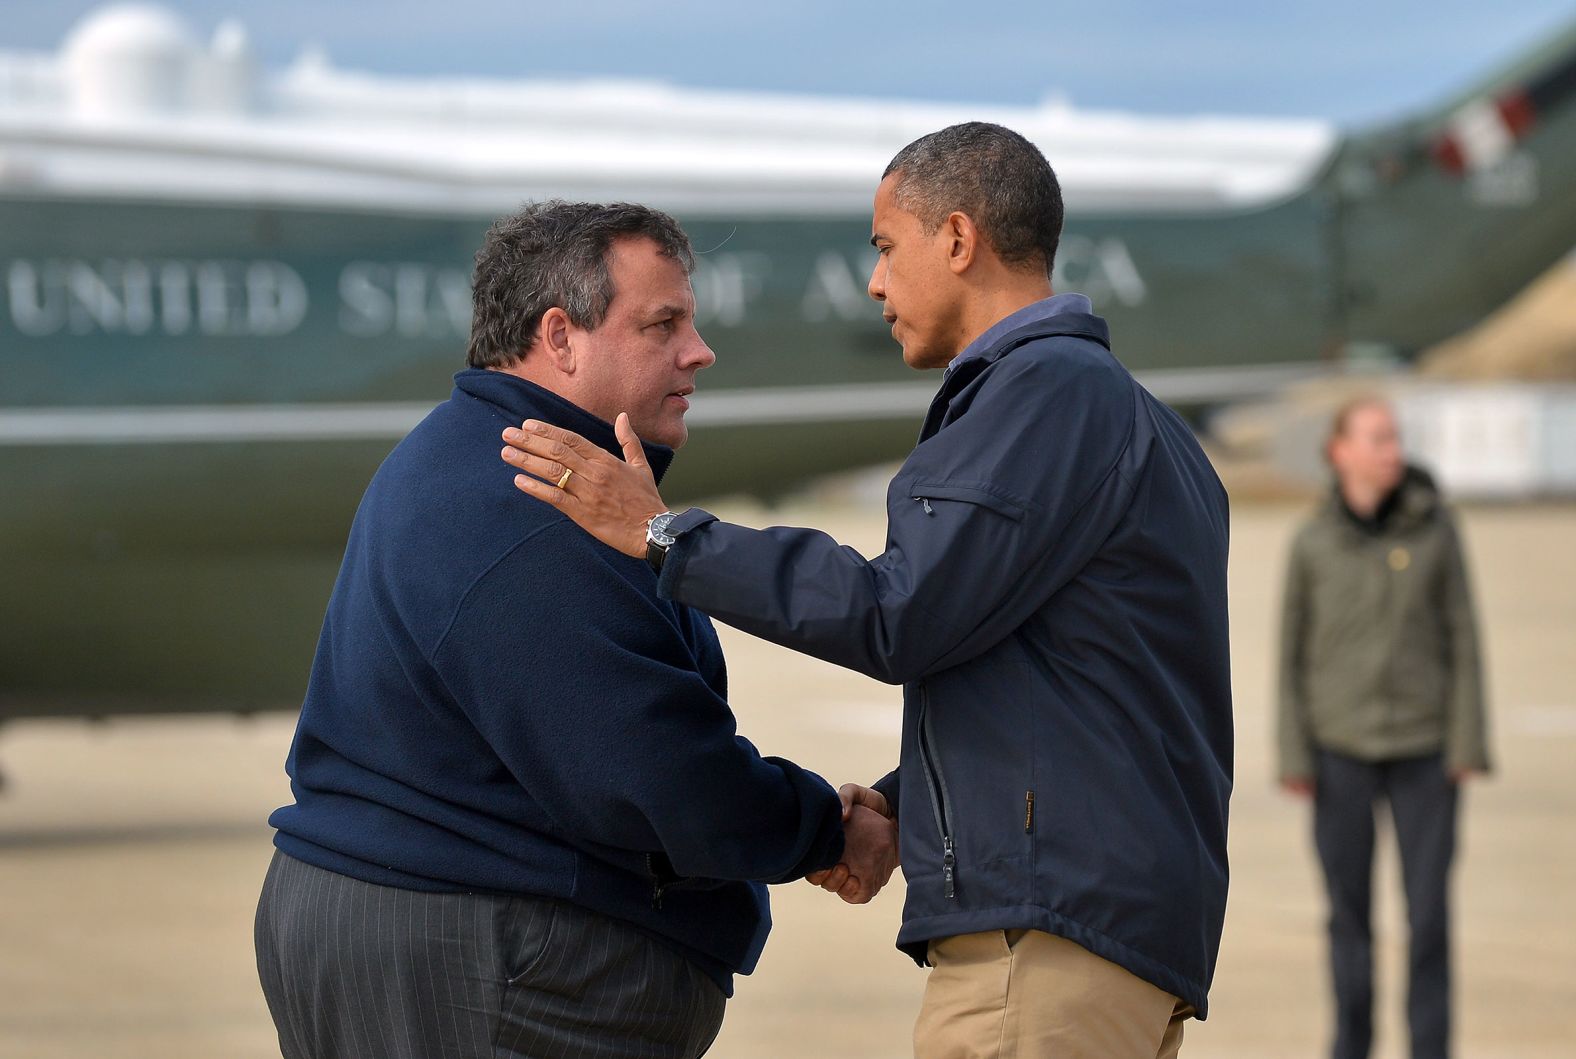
(870, 851)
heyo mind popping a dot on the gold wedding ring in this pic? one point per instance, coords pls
(565, 479)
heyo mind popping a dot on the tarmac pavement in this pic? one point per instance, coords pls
(131, 852)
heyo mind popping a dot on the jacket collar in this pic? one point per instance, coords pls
(518, 399)
(1074, 324)
(964, 371)
(1410, 503)
(1034, 313)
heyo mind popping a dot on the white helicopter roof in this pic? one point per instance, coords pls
(134, 106)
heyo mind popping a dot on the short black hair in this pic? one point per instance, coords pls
(992, 174)
(554, 253)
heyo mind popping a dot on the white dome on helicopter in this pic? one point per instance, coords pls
(130, 58)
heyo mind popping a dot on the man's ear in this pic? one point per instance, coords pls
(553, 336)
(963, 241)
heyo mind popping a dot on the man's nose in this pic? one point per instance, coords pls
(697, 354)
(876, 288)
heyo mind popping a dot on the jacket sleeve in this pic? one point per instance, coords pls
(1466, 733)
(591, 696)
(986, 520)
(890, 787)
(1294, 730)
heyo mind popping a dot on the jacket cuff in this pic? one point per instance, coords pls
(826, 849)
(1474, 759)
(682, 530)
(1298, 763)
(889, 786)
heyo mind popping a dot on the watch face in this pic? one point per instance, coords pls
(657, 533)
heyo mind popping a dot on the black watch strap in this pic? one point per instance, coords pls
(658, 541)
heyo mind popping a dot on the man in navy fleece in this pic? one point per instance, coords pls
(496, 850)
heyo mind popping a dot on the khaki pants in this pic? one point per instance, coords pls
(1025, 994)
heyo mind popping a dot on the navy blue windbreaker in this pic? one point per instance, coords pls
(1053, 599)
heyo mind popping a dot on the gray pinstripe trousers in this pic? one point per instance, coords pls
(352, 970)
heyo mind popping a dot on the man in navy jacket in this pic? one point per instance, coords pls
(1052, 598)
(500, 848)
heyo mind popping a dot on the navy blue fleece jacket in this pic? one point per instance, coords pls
(501, 704)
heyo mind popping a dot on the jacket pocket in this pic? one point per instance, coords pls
(980, 720)
(981, 493)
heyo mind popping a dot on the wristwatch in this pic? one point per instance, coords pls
(658, 541)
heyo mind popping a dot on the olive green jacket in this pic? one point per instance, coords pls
(1379, 648)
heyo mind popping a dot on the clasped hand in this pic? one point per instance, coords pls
(870, 849)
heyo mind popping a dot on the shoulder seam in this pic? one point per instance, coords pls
(477, 580)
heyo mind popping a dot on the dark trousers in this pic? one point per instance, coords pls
(351, 969)
(1422, 801)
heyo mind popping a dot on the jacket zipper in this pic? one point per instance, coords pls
(937, 785)
(658, 886)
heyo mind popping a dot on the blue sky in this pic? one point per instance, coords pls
(1354, 61)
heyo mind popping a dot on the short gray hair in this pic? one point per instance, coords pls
(554, 254)
(992, 174)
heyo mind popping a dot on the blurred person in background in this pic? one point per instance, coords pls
(1381, 699)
